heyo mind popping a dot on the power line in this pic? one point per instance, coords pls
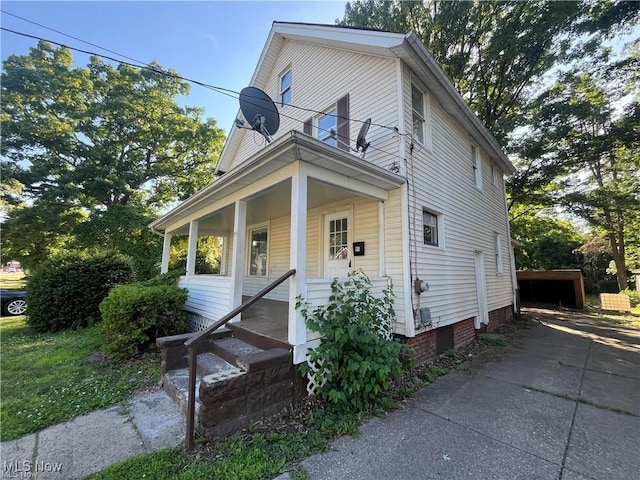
(142, 64)
(224, 91)
(69, 36)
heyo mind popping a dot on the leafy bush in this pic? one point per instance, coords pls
(634, 297)
(357, 357)
(134, 315)
(65, 291)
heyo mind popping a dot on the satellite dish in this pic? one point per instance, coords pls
(260, 111)
(361, 142)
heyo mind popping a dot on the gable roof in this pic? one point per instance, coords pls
(406, 47)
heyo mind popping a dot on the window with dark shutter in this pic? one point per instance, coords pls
(306, 128)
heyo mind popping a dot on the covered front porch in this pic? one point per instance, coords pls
(299, 204)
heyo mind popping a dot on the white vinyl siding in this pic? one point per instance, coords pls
(442, 182)
(208, 294)
(369, 80)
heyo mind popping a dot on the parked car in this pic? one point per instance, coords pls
(13, 302)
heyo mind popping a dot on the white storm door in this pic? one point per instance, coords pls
(337, 238)
(481, 291)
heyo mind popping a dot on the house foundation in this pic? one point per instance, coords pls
(428, 345)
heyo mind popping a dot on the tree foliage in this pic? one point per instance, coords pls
(493, 52)
(539, 78)
(545, 242)
(582, 129)
(95, 139)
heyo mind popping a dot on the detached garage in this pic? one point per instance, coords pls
(558, 287)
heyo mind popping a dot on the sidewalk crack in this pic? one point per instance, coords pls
(575, 411)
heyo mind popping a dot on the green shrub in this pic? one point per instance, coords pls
(65, 291)
(634, 296)
(357, 357)
(133, 316)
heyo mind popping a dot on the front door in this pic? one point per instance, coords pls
(337, 237)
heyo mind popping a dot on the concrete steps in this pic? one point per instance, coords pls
(240, 377)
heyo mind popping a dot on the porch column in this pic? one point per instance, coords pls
(298, 253)
(237, 257)
(166, 247)
(193, 246)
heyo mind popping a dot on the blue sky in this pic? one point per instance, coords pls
(215, 42)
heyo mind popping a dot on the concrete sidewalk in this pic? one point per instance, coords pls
(564, 403)
(90, 443)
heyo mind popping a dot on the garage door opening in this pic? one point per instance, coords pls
(562, 288)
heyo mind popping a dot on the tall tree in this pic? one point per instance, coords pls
(95, 138)
(583, 129)
(494, 51)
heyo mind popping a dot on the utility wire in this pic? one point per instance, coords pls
(70, 36)
(224, 91)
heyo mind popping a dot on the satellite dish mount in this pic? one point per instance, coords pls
(361, 142)
(258, 109)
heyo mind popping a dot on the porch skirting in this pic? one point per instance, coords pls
(197, 323)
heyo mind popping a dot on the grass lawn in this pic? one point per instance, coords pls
(631, 319)
(49, 378)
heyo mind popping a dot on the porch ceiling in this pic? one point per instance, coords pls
(294, 146)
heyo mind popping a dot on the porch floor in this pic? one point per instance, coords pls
(267, 317)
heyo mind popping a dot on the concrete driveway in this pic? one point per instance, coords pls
(563, 403)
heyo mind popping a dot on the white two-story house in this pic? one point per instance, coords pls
(424, 209)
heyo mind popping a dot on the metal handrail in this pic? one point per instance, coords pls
(193, 357)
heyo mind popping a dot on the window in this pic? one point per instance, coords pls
(430, 228)
(285, 88)
(417, 104)
(328, 127)
(338, 239)
(498, 247)
(332, 126)
(258, 248)
(477, 169)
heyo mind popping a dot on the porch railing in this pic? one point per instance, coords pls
(204, 335)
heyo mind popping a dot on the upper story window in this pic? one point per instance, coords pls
(332, 126)
(417, 104)
(285, 88)
(421, 115)
(477, 167)
(496, 174)
(327, 126)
